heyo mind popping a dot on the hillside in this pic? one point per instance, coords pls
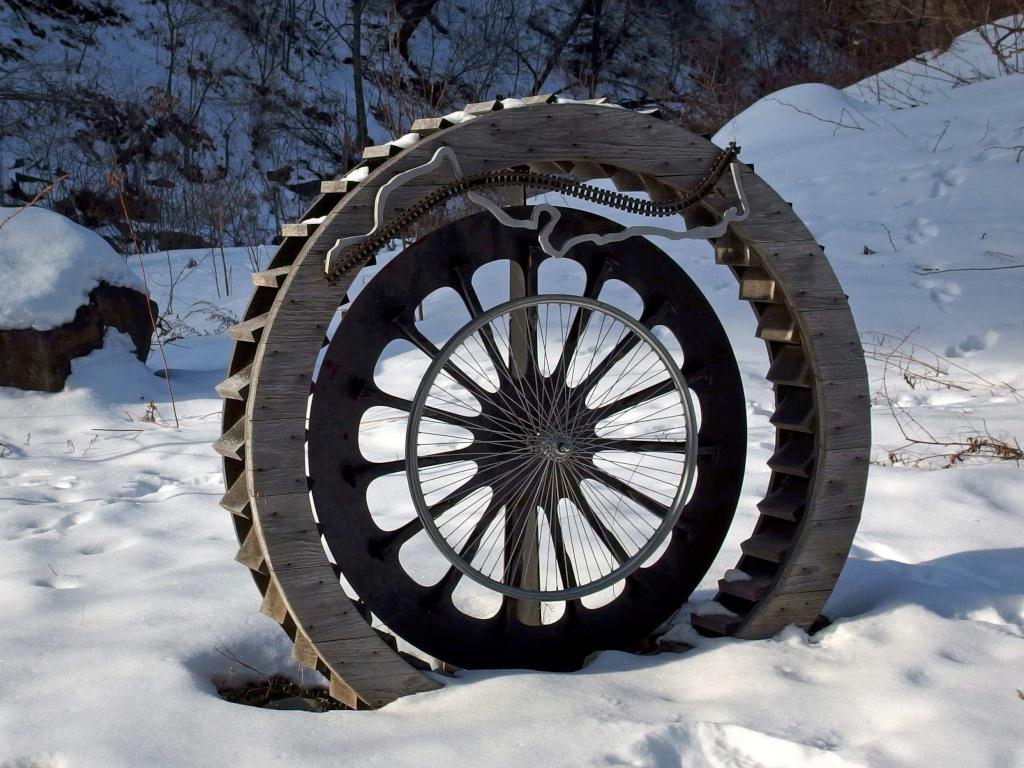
(122, 604)
(206, 122)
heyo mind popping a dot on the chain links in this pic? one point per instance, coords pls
(548, 182)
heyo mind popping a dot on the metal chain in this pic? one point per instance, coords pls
(548, 182)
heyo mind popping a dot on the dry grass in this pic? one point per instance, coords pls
(268, 689)
(920, 368)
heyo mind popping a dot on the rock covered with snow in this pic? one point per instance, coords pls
(48, 267)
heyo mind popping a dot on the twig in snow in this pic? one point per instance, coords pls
(937, 271)
(988, 129)
(894, 248)
(944, 129)
(116, 182)
(1018, 148)
(230, 655)
(922, 447)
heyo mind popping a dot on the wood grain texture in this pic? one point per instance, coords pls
(236, 386)
(248, 330)
(830, 456)
(270, 278)
(236, 500)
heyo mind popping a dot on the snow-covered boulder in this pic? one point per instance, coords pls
(61, 287)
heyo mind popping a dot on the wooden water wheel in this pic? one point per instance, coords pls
(571, 415)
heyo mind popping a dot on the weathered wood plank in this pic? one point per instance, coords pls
(810, 283)
(757, 285)
(482, 107)
(270, 278)
(717, 624)
(248, 330)
(250, 554)
(846, 417)
(790, 367)
(343, 692)
(381, 151)
(273, 604)
(304, 651)
(781, 609)
(795, 411)
(337, 186)
(776, 324)
(301, 229)
(783, 504)
(428, 125)
(236, 386)
(236, 500)
(770, 546)
(752, 589)
(794, 457)
(232, 442)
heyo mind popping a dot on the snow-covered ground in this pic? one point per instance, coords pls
(118, 591)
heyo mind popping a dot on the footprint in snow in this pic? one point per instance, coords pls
(917, 676)
(955, 655)
(921, 230)
(93, 549)
(946, 179)
(65, 483)
(976, 342)
(726, 744)
(47, 760)
(72, 520)
(142, 486)
(58, 582)
(794, 674)
(941, 292)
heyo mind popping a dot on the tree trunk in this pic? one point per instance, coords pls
(357, 71)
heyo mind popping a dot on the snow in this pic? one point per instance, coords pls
(933, 75)
(119, 586)
(405, 140)
(357, 174)
(48, 266)
(459, 116)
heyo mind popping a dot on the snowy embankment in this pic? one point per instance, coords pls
(119, 590)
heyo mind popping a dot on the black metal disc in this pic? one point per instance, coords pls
(340, 473)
